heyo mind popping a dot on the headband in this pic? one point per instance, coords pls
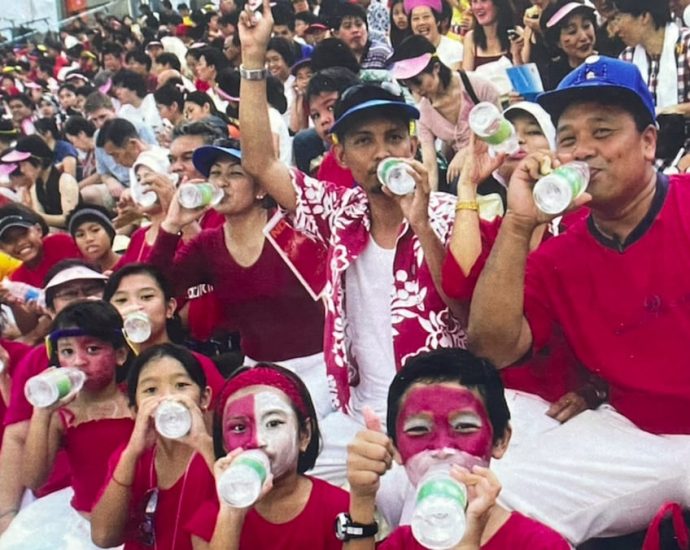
(263, 375)
(52, 338)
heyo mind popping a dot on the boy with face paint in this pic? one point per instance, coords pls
(444, 407)
(268, 408)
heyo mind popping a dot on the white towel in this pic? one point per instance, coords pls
(667, 86)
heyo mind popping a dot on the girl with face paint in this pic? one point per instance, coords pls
(268, 408)
(444, 407)
(90, 425)
(156, 484)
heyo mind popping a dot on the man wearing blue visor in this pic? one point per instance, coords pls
(384, 302)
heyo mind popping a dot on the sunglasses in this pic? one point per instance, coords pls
(147, 534)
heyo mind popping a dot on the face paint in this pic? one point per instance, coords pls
(96, 358)
(264, 419)
(438, 423)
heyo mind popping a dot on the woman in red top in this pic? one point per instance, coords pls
(90, 424)
(157, 483)
(268, 408)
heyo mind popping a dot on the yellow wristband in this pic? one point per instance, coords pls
(467, 205)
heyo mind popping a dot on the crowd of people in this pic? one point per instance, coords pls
(199, 227)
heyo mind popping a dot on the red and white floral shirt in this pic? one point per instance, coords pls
(340, 218)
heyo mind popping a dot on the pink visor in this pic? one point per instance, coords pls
(16, 156)
(7, 169)
(407, 68)
(409, 5)
(566, 10)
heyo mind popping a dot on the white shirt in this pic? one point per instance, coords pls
(450, 52)
(369, 286)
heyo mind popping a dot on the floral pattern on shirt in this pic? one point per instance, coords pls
(340, 218)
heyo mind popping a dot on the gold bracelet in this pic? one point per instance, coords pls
(467, 205)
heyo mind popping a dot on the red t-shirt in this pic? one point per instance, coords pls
(518, 533)
(16, 351)
(624, 310)
(56, 247)
(332, 172)
(313, 528)
(214, 379)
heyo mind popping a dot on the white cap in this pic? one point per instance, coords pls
(542, 117)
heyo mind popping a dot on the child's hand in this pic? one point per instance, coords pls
(369, 456)
(483, 488)
(144, 433)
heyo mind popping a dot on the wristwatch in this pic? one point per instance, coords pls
(253, 74)
(346, 529)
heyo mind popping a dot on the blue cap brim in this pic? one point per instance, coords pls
(205, 157)
(556, 101)
(410, 110)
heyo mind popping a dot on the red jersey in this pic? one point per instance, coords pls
(56, 247)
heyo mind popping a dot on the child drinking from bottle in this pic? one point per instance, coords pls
(89, 423)
(157, 483)
(268, 408)
(447, 412)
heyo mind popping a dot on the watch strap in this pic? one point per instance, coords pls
(253, 74)
(346, 529)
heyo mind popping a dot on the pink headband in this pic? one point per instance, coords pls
(563, 12)
(263, 375)
(409, 5)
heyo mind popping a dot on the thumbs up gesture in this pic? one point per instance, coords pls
(369, 456)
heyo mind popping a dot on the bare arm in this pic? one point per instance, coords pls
(226, 535)
(267, 170)
(69, 193)
(11, 486)
(69, 166)
(468, 52)
(430, 163)
(41, 446)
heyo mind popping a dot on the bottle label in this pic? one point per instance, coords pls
(385, 168)
(573, 177)
(444, 487)
(503, 132)
(206, 192)
(254, 464)
(62, 382)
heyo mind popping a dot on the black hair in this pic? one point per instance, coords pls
(334, 79)
(228, 19)
(659, 10)
(333, 52)
(348, 9)
(67, 86)
(139, 56)
(48, 125)
(86, 90)
(275, 94)
(95, 318)
(132, 81)
(179, 353)
(152, 271)
(398, 35)
(41, 155)
(505, 20)
(112, 48)
(169, 95)
(416, 45)
(284, 48)
(208, 132)
(451, 365)
(552, 34)
(284, 14)
(306, 459)
(169, 59)
(62, 265)
(25, 99)
(117, 131)
(76, 124)
(213, 57)
(201, 99)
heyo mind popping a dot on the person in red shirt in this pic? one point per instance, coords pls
(616, 285)
(268, 408)
(447, 414)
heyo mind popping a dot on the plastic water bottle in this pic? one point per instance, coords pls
(438, 521)
(556, 191)
(172, 419)
(396, 174)
(196, 195)
(24, 292)
(240, 485)
(489, 125)
(143, 195)
(137, 326)
(45, 389)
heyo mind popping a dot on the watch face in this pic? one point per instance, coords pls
(342, 520)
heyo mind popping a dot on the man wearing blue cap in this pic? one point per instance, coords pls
(384, 302)
(617, 286)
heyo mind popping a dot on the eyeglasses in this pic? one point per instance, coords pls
(72, 294)
(147, 534)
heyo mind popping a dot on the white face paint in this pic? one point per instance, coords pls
(277, 430)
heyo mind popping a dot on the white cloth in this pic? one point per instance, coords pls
(49, 523)
(667, 86)
(369, 285)
(597, 475)
(146, 114)
(279, 127)
(450, 52)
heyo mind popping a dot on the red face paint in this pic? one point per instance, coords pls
(239, 424)
(435, 417)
